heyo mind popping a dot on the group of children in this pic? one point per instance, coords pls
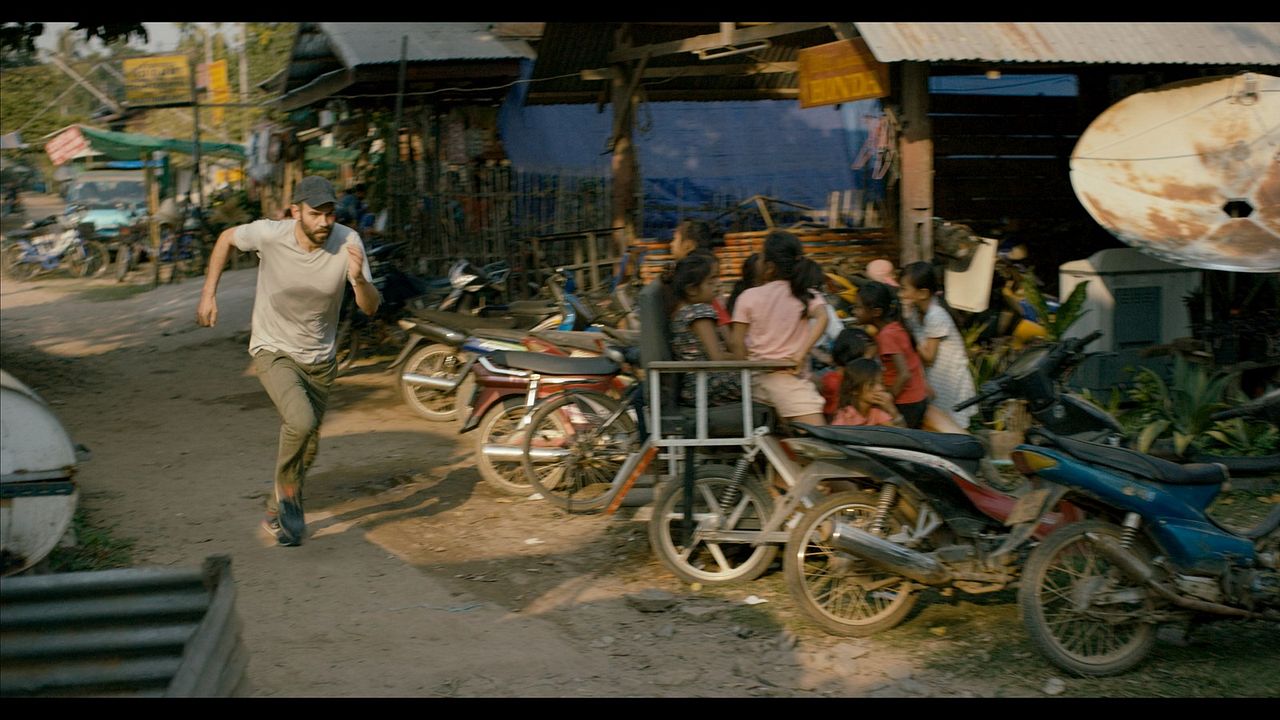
(905, 365)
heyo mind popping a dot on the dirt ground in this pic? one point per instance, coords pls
(418, 579)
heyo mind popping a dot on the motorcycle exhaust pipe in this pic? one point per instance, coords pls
(508, 453)
(437, 383)
(1134, 567)
(891, 556)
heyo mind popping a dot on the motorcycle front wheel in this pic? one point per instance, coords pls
(14, 267)
(88, 260)
(1081, 611)
(842, 593)
(718, 504)
(439, 361)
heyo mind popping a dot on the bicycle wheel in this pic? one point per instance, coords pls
(189, 256)
(841, 592)
(595, 435)
(86, 259)
(1082, 612)
(718, 504)
(14, 266)
(436, 360)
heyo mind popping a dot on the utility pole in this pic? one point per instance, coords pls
(195, 151)
(244, 82)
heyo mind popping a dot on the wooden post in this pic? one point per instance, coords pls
(915, 230)
(153, 206)
(623, 87)
(593, 257)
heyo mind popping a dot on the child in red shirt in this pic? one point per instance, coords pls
(903, 372)
(850, 344)
(863, 399)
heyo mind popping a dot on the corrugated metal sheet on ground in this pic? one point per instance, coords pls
(137, 631)
(1139, 43)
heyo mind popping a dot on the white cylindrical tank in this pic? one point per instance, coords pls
(37, 468)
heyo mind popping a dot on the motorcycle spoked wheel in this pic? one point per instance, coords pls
(1082, 612)
(14, 267)
(88, 260)
(843, 594)
(347, 342)
(712, 562)
(436, 360)
(498, 428)
(125, 261)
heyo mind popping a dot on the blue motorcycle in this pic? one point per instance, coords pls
(1093, 592)
(54, 243)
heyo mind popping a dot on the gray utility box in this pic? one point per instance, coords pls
(1137, 302)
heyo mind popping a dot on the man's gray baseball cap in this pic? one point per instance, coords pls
(314, 191)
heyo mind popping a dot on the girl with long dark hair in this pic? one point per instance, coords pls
(938, 341)
(781, 319)
(903, 372)
(689, 287)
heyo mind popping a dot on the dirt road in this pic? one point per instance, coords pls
(418, 579)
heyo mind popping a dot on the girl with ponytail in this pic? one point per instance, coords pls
(782, 319)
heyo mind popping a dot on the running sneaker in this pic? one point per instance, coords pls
(292, 523)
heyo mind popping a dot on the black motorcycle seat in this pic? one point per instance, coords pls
(579, 340)
(951, 445)
(554, 364)
(504, 334)
(724, 421)
(462, 321)
(1141, 465)
(531, 307)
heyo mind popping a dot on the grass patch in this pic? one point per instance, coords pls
(108, 293)
(95, 549)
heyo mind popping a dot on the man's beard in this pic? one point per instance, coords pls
(314, 236)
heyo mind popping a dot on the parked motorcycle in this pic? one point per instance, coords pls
(50, 244)
(359, 333)
(440, 344)
(507, 385)
(1094, 592)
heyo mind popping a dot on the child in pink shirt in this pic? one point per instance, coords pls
(778, 320)
(863, 399)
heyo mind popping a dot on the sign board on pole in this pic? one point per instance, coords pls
(66, 145)
(219, 89)
(157, 80)
(839, 72)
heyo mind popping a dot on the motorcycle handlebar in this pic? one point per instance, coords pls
(980, 397)
(1252, 407)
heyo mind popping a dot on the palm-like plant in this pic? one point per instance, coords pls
(1181, 408)
(1055, 323)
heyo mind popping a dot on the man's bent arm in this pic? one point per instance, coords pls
(207, 311)
(367, 297)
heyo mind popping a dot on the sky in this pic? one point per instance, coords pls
(162, 37)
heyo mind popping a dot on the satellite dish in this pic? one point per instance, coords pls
(1189, 172)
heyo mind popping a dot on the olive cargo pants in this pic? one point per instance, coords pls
(301, 394)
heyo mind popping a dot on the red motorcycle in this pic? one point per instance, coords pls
(502, 390)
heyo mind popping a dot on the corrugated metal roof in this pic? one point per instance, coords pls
(376, 43)
(1075, 42)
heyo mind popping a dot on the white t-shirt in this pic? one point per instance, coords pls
(299, 293)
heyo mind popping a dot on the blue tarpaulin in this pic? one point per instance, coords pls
(693, 154)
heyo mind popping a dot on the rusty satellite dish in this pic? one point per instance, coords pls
(1189, 172)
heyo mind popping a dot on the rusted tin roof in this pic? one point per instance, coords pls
(1128, 43)
(375, 43)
